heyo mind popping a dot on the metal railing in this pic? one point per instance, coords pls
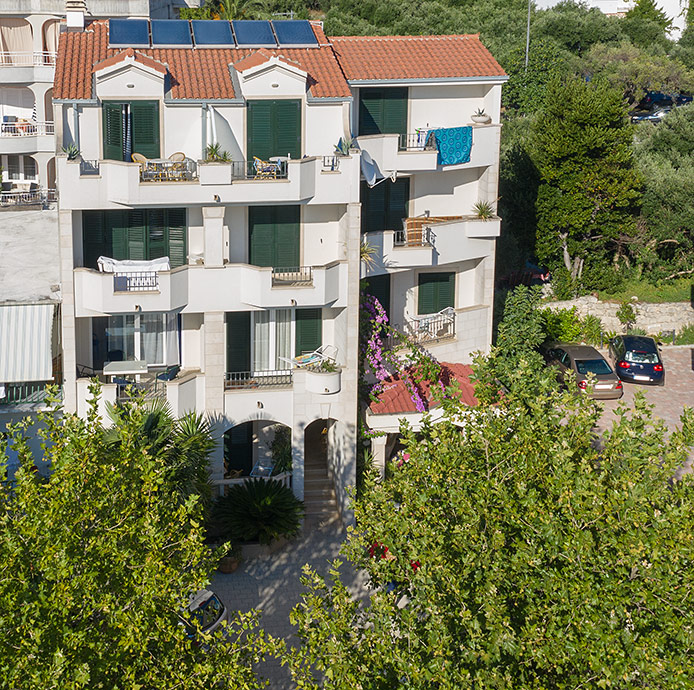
(30, 198)
(418, 141)
(26, 59)
(89, 167)
(251, 170)
(168, 171)
(414, 237)
(235, 380)
(302, 275)
(331, 164)
(26, 393)
(26, 128)
(428, 329)
(141, 281)
(147, 389)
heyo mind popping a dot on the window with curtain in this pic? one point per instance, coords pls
(149, 336)
(283, 337)
(152, 338)
(261, 341)
(29, 168)
(15, 37)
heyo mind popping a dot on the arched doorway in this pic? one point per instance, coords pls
(16, 41)
(48, 107)
(51, 33)
(16, 106)
(320, 500)
(260, 444)
(50, 182)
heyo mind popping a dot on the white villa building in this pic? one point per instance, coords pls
(206, 269)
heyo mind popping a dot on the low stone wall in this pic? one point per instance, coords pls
(653, 318)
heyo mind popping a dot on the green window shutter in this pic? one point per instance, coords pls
(287, 237)
(238, 326)
(116, 223)
(157, 244)
(373, 207)
(287, 128)
(145, 124)
(379, 287)
(177, 231)
(137, 235)
(261, 235)
(370, 111)
(96, 241)
(394, 111)
(112, 115)
(309, 330)
(259, 129)
(436, 292)
(397, 200)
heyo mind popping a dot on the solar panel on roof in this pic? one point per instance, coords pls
(171, 32)
(294, 32)
(128, 33)
(253, 33)
(212, 33)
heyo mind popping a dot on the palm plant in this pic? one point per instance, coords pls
(367, 253)
(260, 510)
(184, 444)
(240, 9)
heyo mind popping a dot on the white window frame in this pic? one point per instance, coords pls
(272, 345)
(137, 336)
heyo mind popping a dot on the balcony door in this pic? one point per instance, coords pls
(274, 236)
(383, 111)
(274, 129)
(131, 127)
(384, 206)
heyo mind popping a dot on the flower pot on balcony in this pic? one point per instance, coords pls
(215, 173)
(481, 119)
(323, 382)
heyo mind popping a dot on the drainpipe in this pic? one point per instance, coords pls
(75, 125)
(203, 129)
(213, 124)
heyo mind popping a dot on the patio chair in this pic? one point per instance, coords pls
(265, 169)
(322, 354)
(170, 374)
(146, 171)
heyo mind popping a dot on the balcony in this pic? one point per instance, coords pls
(26, 137)
(432, 241)
(233, 287)
(26, 67)
(415, 152)
(106, 183)
(29, 200)
(33, 393)
(251, 380)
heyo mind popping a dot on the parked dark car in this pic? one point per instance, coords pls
(584, 360)
(205, 613)
(637, 359)
(655, 99)
(655, 116)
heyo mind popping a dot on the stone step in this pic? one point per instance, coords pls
(315, 492)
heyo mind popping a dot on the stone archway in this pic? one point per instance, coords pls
(261, 444)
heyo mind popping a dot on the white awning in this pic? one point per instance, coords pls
(25, 342)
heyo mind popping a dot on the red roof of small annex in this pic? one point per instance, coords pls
(414, 57)
(199, 74)
(260, 57)
(135, 55)
(396, 399)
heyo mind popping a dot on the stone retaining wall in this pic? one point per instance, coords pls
(653, 318)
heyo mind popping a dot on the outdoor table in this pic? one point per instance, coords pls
(134, 368)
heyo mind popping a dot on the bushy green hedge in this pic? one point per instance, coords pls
(567, 326)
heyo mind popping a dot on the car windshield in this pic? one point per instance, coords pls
(592, 366)
(209, 612)
(641, 357)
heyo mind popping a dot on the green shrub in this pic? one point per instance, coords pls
(562, 324)
(627, 315)
(281, 450)
(260, 510)
(686, 335)
(591, 329)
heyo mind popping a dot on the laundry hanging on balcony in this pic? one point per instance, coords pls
(454, 144)
(108, 265)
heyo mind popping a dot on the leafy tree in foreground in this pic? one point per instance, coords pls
(96, 561)
(510, 553)
(589, 191)
(646, 24)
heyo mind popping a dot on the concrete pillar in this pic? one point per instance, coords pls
(378, 450)
(213, 222)
(215, 363)
(39, 89)
(69, 340)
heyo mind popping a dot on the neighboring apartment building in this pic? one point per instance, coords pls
(231, 270)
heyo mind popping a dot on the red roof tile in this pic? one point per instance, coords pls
(200, 74)
(396, 399)
(414, 57)
(136, 56)
(258, 58)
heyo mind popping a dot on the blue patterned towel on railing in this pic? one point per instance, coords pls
(454, 144)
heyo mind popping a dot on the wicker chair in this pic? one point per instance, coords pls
(146, 171)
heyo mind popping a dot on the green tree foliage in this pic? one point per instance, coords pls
(97, 560)
(589, 190)
(665, 155)
(510, 553)
(647, 25)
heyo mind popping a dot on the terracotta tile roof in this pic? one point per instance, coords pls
(195, 74)
(258, 58)
(396, 399)
(414, 57)
(136, 57)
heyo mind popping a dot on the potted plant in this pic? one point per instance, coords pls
(481, 117)
(72, 152)
(343, 146)
(324, 378)
(483, 210)
(231, 560)
(216, 166)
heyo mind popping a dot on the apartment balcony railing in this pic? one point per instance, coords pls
(331, 163)
(421, 236)
(166, 170)
(148, 389)
(34, 393)
(422, 140)
(89, 167)
(142, 281)
(29, 198)
(26, 59)
(303, 275)
(259, 170)
(26, 128)
(238, 380)
(431, 328)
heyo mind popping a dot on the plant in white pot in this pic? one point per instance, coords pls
(480, 117)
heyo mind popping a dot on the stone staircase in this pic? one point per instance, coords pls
(319, 495)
